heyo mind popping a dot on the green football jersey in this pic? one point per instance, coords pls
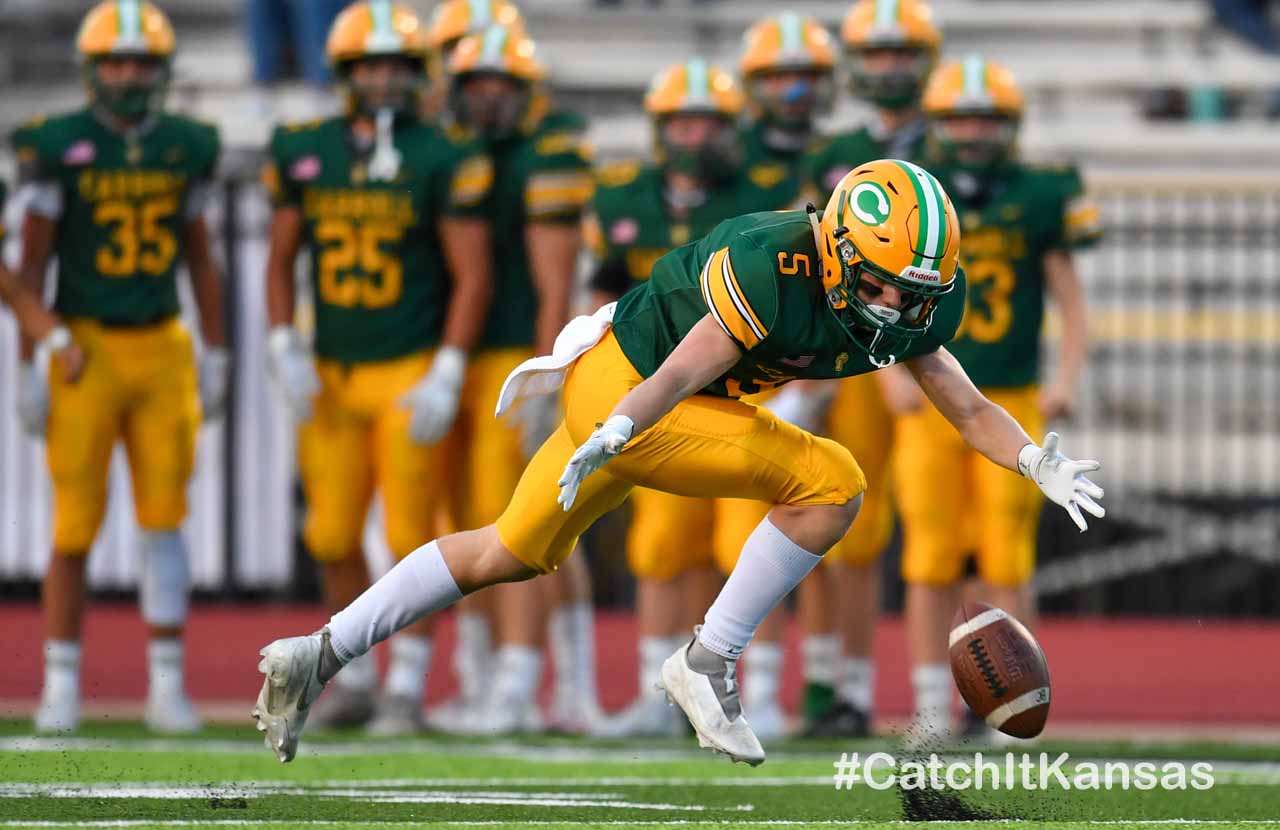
(777, 173)
(759, 276)
(122, 204)
(831, 158)
(1026, 213)
(542, 174)
(378, 271)
(630, 220)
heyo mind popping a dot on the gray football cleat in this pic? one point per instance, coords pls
(397, 715)
(291, 685)
(708, 694)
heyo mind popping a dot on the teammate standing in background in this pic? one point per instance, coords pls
(117, 192)
(542, 184)
(890, 47)
(392, 210)
(698, 178)
(1020, 224)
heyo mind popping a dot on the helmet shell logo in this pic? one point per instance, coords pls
(869, 203)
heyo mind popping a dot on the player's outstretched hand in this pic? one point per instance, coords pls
(1062, 479)
(294, 371)
(603, 444)
(433, 402)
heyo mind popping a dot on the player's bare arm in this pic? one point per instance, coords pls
(472, 277)
(553, 254)
(994, 433)
(1067, 292)
(285, 240)
(206, 283)
(38, 236)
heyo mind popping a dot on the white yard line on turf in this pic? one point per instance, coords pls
(1188, 822)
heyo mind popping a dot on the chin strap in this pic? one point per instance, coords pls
(814, 226)
(889, 361)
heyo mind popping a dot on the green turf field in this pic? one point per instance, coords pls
(117, 776)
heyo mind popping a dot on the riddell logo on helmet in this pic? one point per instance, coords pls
(920, 275)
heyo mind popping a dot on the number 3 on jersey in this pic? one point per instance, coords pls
(991, 283)
(354, 270)
(138, 239)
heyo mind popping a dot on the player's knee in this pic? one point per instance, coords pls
(478, 559)
(165, 585)
(330, 541)
(816, 527)
(1011, 570)
(930, 567)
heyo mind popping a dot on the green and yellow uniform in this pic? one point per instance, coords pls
(1023, 214)
(542, 174)
(777, 172)
(831, 157)
(631, 224)
(381, 290)
(121, 207)
(758, 276)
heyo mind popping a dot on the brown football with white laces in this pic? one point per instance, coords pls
(1000, 670)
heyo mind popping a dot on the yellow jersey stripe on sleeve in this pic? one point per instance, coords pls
(740, 299)
(558, 192)
(724, 301)
(1083, 218)
(472, 181)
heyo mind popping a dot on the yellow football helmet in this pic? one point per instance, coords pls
(455, 19)
(904, 26)
(799, 48)
(974, 87)
(891, 220)
(504, 53)
(697, 88)
(126, 28)
(379, 29)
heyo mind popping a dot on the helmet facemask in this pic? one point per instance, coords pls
(880, 330)
(491, 103)
(974, 142)
(712, 158)
(384, 82)
(129, 87)
(889, 76)
(792, 99)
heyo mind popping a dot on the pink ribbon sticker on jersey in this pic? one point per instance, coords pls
(624, 231)
(305, 169)
(82, 152)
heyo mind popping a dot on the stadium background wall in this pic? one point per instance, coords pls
(1181, 400)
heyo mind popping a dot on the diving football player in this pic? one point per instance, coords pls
(651, 392)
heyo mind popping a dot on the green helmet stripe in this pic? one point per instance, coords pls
(792, 33)
(698, 79)
(932, 231)
(886, 12)
(975, 77)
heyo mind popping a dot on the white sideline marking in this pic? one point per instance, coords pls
(1189, 822)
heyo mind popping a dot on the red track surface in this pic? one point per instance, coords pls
(1103, 670)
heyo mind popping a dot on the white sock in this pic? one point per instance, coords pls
(857, 686)
(360, 674)
(165, 583)
(932, 683)
(62, 668)
(473, 657)
(654, 651)
(821, 658)
(770, 567)
(407, 674)
(164, 667)
(573, 646)
(764, 672)
(418, 585)
(518, 673)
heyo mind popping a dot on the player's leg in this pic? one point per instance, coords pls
(821, 645)
(860, 421)
(160, 428)
(669, 537)
(571, 633)
(337, 471)
(929, 479)
(735, 519)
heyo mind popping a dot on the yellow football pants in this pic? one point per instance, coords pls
(860, 421)
(705, 447)
(139, 387)
(954, 502)
(671, 535)
(485, 453)
(358, 438)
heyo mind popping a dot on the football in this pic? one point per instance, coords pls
(1000, 670)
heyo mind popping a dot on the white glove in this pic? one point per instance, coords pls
(538, 417)
(802, 406)
(433, 402)
(1061, 479)
(33, 398)
(294, 371)
(603, 444)
(215, 378)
